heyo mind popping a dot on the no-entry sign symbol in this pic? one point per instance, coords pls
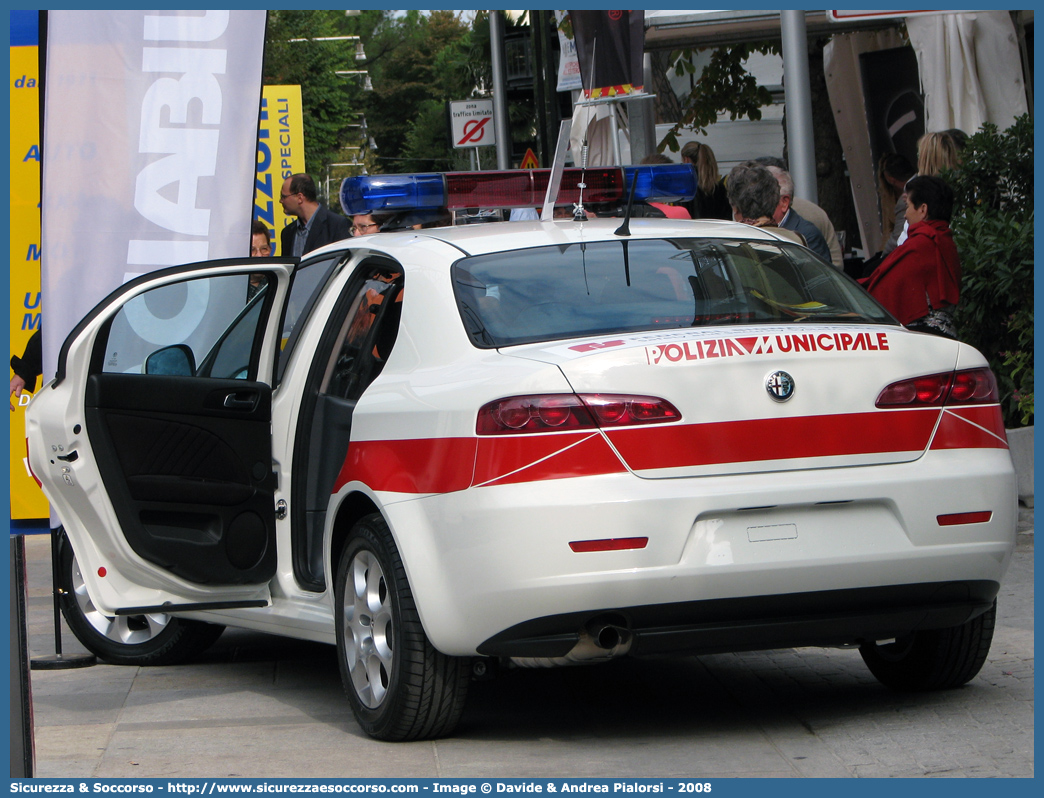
(471, 123)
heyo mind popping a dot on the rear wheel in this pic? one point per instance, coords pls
(935, 659)
(153, 639)
(399, 686)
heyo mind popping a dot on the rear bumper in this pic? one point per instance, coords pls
(821, 618)
(743, 561)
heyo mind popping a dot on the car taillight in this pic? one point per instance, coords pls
(970, 387)
(615, 410)
(974, 387)
(559, 412)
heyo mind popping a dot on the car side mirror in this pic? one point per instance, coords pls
(175, 361)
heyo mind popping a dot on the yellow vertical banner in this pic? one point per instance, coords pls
(27, 501)
(280, 153)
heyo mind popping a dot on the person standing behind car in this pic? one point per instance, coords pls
(711, 200)
(936, 152)
(789, 219)
(260, 247)
(260, 243)
(27, 367)
(920, 282)
(667, 209)
(754, 195)
(808, 211)
(892, 174)
(315, 226)
(363, 224)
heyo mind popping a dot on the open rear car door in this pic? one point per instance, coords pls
(154, 441)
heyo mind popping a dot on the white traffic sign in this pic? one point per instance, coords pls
(471, 123)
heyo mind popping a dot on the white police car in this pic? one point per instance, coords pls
(540, 442)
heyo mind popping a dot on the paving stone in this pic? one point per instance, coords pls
(262, 706)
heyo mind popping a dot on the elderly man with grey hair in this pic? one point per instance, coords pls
(792, 211)
(754, 195)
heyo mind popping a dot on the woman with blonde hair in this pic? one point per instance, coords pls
(939, 151)
(936, 152)
(711, 200)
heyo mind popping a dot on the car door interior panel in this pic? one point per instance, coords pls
(187, 463)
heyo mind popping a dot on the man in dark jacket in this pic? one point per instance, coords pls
(315, 225)
(789, 219)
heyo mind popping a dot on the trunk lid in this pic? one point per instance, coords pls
(730, 385)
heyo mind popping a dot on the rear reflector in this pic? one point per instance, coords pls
(609, 544)
(956, 519)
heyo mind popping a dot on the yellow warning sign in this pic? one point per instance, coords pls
(529, 161)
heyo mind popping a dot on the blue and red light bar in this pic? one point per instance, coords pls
(520, 188)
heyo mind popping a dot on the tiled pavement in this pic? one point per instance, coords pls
(256, 705)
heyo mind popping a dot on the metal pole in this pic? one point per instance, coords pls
(798, 99)
(58, 661)
(614, 131)
(22, 753)
(500, 112)
(537, 23)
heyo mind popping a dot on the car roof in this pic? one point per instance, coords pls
(480, 239)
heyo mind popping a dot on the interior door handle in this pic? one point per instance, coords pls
(234, 401)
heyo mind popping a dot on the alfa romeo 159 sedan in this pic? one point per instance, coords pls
(538, 443)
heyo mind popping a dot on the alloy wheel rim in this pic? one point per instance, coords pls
(368, 629)
(124, 629)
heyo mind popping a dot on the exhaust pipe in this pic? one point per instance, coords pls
(599, 641)
(606, 637)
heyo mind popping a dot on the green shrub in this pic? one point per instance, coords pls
(993, 229)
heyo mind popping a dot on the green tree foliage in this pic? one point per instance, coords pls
(723, 85)
(993, 229)
(419, 62)
(330, 101)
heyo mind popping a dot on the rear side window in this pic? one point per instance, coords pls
(609, 287)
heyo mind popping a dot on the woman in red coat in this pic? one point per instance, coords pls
(920, 280)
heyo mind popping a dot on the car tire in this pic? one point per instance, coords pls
(399, 686)
(154, 639)
(935, 659)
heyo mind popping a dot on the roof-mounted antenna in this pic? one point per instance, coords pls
(625, 228)
(579, 215)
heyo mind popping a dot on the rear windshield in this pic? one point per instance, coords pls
(608, 287)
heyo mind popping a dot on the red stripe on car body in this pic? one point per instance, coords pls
(420, 465)
(775, 439)
(445, 465)
(971, 428)
(500, 464)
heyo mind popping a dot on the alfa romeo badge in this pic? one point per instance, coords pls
(780, 385)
